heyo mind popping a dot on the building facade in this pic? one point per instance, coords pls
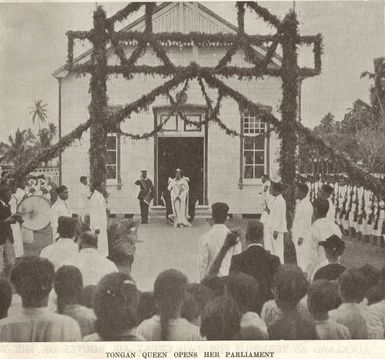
(220, 167)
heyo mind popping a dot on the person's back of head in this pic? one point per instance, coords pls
(68, 284)
(289, 287)
(66, 227)
(276, 189)
(220, 212)
(321, 207)
(83, 180)
(115, 306)
(146, 306)
(352, 286)
(190, 309)
(218, 285)
(33, 279)
(87, 296)
(169, 292)
(321, 299)
(326, 191)
(5, 297)
(243, 288)
(302, 190)
(202, 294)
(88, 240)
(221, 319)
(372, 278)
(254, 231)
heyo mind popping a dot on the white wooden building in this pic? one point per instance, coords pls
(221, 167)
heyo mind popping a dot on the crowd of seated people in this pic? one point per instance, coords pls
(86, 298)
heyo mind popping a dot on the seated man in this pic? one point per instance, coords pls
(33, 278)
(64, 247)
(91, 264)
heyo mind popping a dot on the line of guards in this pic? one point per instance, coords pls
(359, 212)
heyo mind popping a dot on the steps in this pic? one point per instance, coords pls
(200, 212)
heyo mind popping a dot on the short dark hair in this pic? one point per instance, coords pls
(276, 186)
(33, 277)
(254, 231)
(68, 284)
(321, 297)
(290, 286)
(61, 189)
(82, 178)
(5, 297)
(244, 290)
(321, 206)
(115, 305)
(87, 296)
(220, 212)
(198, 296)
(352, 286)
(88, 239)
(221, 319)
(66, 226)
(327, 189)
(303, 188)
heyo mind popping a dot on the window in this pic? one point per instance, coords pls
(253, 148)
(112, 162)
(189, 127)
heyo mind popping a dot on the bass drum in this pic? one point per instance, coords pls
(35, 211)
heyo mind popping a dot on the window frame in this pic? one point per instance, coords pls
(252, 181)
(118, 180)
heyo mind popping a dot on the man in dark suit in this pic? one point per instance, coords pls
(7, 252)
(257, 262)
(145, 196)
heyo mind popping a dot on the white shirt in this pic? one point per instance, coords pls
(85, 193)
(210, 244)
(92, 265)
(39, 325)
(60, 251)
(98, 214)
(332, 211)
(302, 219)
(277, 217)
(376, 318)
(59, 208)
(322, 229)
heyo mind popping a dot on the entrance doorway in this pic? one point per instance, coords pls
(186, 153)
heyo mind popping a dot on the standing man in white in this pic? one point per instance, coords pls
(85, 195)
(98, 217)
(59, 209)
(277, 221)
(302, 226)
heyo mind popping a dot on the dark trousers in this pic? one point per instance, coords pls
(143, 211)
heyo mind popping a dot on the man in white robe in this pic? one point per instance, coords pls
(98, 217)
(326, 192)
(277, 226)
(179, 192)
(17, 196)
(302, 226)
(60, 209)
(321, 229)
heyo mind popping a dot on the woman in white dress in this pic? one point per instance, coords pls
(179, 191)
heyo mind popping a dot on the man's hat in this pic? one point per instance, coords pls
(143, 171)
(334, 243)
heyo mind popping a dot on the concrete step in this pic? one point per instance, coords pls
(200, 212)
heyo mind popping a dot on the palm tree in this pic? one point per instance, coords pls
(39, 112)
(18, 150)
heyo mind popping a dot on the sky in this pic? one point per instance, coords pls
(33, 45)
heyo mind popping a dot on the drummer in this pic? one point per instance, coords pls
(59, 209)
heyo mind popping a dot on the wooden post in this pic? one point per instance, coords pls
(289, 109)
(98, 105)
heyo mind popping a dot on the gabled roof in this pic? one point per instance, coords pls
(182, 17)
